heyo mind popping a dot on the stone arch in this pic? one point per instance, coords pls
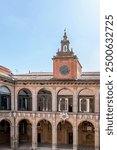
(65, 100)
(43, 88)
(64, 134)
(86, 100)
(5, 98)
(44, 133)
(86, 134)
(23, 118)
(24, 99)
(86, 91)
(25, 132)
(88, 120)
(8, 120)
(41, 119)
(6, 87)
(62, 89)
(5, 131)
(44, 100)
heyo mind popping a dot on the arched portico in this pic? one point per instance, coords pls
(44, 133)
(25, 133)
(64, 135)
(5, 134)
(86, 135)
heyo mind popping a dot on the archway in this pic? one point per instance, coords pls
(25, 133)
(44, 133)
(5, 98)
(4, 134)
(24, 100)
(86, 101)
(44, 100)
(65, 100)
(64, 135)
(86, 135)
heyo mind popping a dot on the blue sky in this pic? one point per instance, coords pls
(31, 31)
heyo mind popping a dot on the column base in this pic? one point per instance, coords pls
(34, 146)
(75, 147)
(54, 147)
(97, 148)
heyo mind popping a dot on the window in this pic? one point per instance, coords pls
(65, 104)
(86, 104)
(5, 98)
(24, 100)
(44, 101)
(65, 48)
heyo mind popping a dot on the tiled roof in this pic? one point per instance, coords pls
(49, 76)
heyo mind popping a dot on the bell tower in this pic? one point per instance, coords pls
(65, 64)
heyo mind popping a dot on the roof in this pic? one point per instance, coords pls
(49, 76)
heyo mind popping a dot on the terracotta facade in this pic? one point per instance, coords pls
(53, 110)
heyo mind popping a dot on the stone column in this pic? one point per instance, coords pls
(54, 100)
(80, 101)
(16, 137)
(75, 136)
(75, 101)
(34, 135)
(34, 100)
(97, 100)
(87, 105)
(97, 139)
(16, 100)
(12, 137)
(12, 99)
(54, 137)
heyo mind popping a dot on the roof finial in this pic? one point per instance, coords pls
(65, 36)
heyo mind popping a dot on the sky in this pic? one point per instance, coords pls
(31, 31)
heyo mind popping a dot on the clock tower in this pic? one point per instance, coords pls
(65, 64)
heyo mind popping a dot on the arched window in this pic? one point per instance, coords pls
(25, 100)
(44, 100)
(5, 98)
(63, 104)
(86, 101)
(86, 104)
(65, 100)
(65, 48)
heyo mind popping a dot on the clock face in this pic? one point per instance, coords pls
(64, 70)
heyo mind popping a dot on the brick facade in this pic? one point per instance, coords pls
(70, 121)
